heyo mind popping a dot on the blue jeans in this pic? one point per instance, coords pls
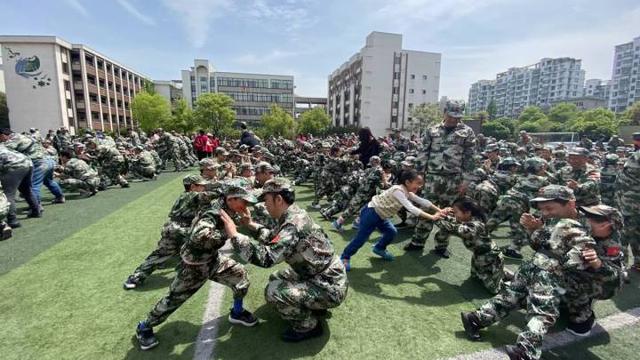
(43, 174)
(370, 221)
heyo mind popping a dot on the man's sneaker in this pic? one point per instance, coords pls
(290, 335)
(513, 254)
(35, 214)
(471, 325)
(316, 206)
(58, 200)
(132, 282)
(443, 253)
(582, 329)
(245, 318)
(335, 225)
(347, 264)
(384, 254)
(516, 352)
(413, 247)
(145, 336)
(7, 232)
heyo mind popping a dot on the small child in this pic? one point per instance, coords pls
(378, 212)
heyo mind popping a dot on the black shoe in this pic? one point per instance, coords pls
(34, 214)
(471, 325)
(132, 282)
(245, 318)
(516, 352)
(58, 200)
(15, 225)
(443, 253)
(145, 336)
(513, 254)
(582, 329)
(413, 247)
(7, 232)
(291, 335)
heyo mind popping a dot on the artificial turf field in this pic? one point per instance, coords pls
(61, 279)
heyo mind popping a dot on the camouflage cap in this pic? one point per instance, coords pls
(193, 180)
(553, 192)
(621, 149)
(454, 109)
(234, 152)
(611, 159)
(256, 148)
(244, 147)
(633, 161)
(374, 159)
(239, 192)
(206, 163)
(276, 185)
(509, 161)
(491, 148)
(535, 163)
(479, 174)
(604, 211)
(406, 163)
(245, 166)
(221, 151)
(264, 167)
(636, 136)
(579, 151)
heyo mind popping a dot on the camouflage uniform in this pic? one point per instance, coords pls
(487, 263)
(370, 182)
(142, 165)
(77, 175)
(449, 155)
(483, 191)
(539, 281)
(588, 191)
(201, 261)
(111, 166)
(608, 176)
(628, 201)
(176, 229)
(316, 278)
(342, 197)
(15, 175)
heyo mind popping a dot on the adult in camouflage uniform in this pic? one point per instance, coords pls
(538, 282)
(608, 175)
(315, 279)
(141, 164)
(169, 151)
(628, 201)
(483, 191)
(606, 273)
(582, 177)
(201, 261)
(77, 175)
(340, 199)
(516, 202)
(110, 164)
(175, 230)
(5, 229)
(506, 173)
(319, 163)
(15, 175)
(467, 222)
(62, 140)
(448, 149)
(559, 161)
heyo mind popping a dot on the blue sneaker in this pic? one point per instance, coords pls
(145, 336)
(336, 226)
(384, 254)
(347, 264)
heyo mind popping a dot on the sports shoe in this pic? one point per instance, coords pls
(291, 335)
(316, 206)
(513, 254)
(58, 200)
(7, 231)
(335, 225)
(516, 352)
(413, 247)
(145, 336)
(384, 254)
(582, 329)
(443, 253)
(132, 282)
(347, 264)
(14, 225)
(245, 318)
(34, 214)
(471, 325)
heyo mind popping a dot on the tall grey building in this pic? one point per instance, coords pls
(379, 85)
(480, 95)
(540, 84)
(597, 88)
(253, 93)
(625, 78)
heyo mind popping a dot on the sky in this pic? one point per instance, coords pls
(310, 38)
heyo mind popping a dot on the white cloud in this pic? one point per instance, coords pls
(197, 15)
(136, 13)
(77, 6)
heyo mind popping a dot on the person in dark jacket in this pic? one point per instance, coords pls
(368, 147)
(248, 137)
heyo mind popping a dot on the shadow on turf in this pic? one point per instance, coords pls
(171, 334)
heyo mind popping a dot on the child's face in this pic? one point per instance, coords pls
(414, 184)
(461, 215)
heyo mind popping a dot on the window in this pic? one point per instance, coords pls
(410, 91)
(413, 76)
(424, 91)
(424, 77)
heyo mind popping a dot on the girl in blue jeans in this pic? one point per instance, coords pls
(382, 207)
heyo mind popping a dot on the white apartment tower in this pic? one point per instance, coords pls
(378, 86)
(625, 78)
(480, 95)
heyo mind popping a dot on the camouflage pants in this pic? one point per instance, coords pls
(111, 173)
(582, 289)
(190, 278)
(294, 298)
(355, 204)
(631, 237)
(173, 155)
(172, 237)
(73, 185)
(146, 172)
(509, 209)
(542, 291)
(488, 267)
(441, 190)
(339, 203)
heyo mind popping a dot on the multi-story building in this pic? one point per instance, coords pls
(540, 84)
(52, 83)
(480, 95)
(625, 77)
(169, 89)
(378, 86)
(597, 88)
(305, 103)
(253, 93)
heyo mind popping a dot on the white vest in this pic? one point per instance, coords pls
(385, 204)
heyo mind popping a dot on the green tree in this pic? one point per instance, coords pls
(278, 122)
(182, 118)
(150, 110)
(214, 111)
(149, 86)
(531, 114)
(511, 124)
(496, 130)
(4, 111)
(563, 113)
(631, 116)
(423, 116)
(492, 109)
(315, 121)
(596, 123)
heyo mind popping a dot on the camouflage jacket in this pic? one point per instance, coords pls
(78, 169)
(473, 234)
(449, 152)
(206, 236)
(12, 160)
(504, 180)
(628, 187)
(485, 194)
(25, 145)
(588, 190)
(527, 187)
(144, 159)
(187, 206)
